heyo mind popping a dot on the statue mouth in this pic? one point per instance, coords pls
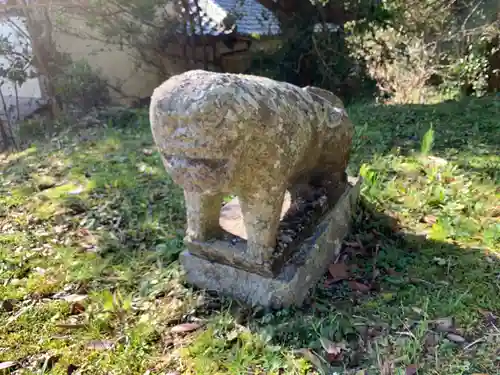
(197, 175)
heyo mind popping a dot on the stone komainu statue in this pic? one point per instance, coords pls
(250, 136)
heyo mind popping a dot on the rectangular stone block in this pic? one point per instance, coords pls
(232, 250)
(297, 276)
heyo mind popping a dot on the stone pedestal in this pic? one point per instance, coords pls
(221, 266)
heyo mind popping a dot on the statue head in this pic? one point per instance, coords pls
(330, 108)
(198, 143)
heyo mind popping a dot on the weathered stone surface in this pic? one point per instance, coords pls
(296, 278)
(253, 137)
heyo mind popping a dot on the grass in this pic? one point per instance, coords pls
(91, 227)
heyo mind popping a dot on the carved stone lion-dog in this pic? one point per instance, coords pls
(251, 136)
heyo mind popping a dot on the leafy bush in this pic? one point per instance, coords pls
(316, 53)
(412, 49)
(78, 85)
(431, 46)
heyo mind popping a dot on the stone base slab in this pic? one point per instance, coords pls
(297, 276)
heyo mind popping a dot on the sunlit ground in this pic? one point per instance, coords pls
(91, 227)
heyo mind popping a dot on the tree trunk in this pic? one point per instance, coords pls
(4, 139)
(45, 54)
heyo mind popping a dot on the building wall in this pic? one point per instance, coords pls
(119, 65)
(28, 97)
(31, 87)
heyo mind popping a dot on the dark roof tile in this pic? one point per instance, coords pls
(245, 17)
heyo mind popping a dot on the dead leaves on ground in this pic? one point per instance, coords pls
(76, 308)
(447, 327)
(338, 272)
(437, 331)
(341, 271)
(334, 351)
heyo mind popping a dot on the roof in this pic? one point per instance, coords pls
(219, 17)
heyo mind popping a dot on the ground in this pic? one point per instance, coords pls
(91, 227)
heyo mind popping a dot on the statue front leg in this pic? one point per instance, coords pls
(261, 216)
(203, 211)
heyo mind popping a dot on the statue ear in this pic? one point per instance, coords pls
(322, 94)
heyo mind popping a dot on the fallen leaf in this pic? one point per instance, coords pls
(331, 347)
(455, 338)
(76, 308)
(489, 317)
(411, 370)
(338, 271)
(185, 327)
(9, 366)
(429, 219)
(358, 287)
(75, 297)
(100, 344)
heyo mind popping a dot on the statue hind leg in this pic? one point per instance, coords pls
(331, 172)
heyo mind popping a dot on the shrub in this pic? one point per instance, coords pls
(79, 86)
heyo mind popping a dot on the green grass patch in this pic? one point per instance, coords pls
(91, 228)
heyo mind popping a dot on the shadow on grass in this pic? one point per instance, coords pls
(406, 300)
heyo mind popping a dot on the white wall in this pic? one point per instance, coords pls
(31, 88)
(29, 93)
